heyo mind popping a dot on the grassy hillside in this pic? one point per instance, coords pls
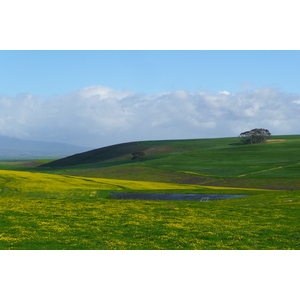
(218, 162)
(102, 154)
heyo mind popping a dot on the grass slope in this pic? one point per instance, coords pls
(102, 154)
(217, 162)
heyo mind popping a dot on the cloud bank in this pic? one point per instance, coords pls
(98, 116)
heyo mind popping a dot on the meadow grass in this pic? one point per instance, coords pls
(46, 211)
(96, 223)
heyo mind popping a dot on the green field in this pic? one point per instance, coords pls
(66, 204)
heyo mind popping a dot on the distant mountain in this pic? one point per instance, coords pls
(13, 147)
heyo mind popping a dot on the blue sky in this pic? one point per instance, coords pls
(98, 98)
(45, 73)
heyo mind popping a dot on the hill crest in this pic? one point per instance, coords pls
(102, 154)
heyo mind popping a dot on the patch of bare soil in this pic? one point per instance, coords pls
(279, 140)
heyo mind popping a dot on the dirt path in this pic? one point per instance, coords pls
(268, 170)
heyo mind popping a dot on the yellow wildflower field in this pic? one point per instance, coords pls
(46, 211)
(49, 183)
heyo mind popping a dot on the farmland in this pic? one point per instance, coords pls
(58, 205)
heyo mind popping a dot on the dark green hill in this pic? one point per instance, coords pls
(215, 162)
(113, 152)
(119, 152)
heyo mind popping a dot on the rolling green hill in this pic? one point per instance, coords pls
(97, 155)
(216, 162)
(117, 152)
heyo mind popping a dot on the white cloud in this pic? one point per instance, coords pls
(224, 93)
(98, 116)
